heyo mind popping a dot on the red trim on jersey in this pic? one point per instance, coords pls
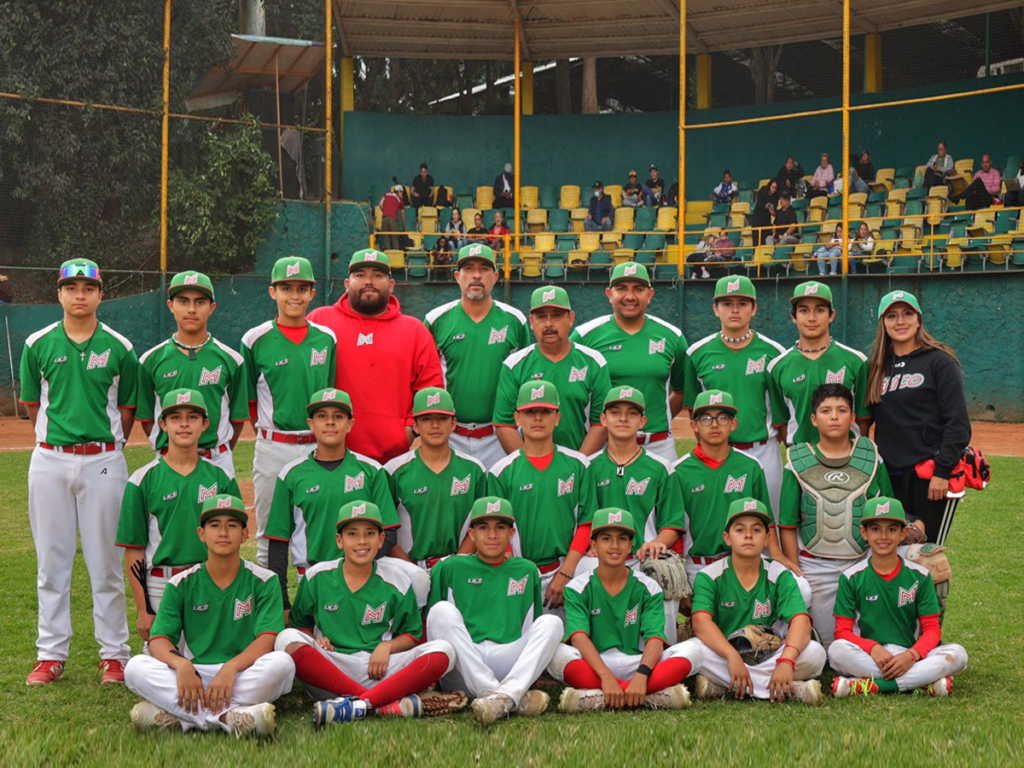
(165, 637)
(541, 462)
(671, 528)
(296, 334)
(802, 613)
(568, 640)
(238, 421)
(581, 540)
(27, 402)
(129, 546)
(844, 631)
(930, 636)
(261, 634)
(276, 539)
(146, 421)
(711, 463)
(128, 407)
(702, 611)
(787, 527)
(417, 640)
(892, 574)
(253, 414)
(503, 426)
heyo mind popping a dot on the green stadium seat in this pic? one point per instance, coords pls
(547, 197)
(915, 208)
(417, 265)
(645, 219)
(878, 197)
(489, 217)
(666, 273)
(721, 208)
(554, 264)
(429, 241)
(444, 216)
(600, 261)
(801, 203)
(633, 241)
(746, 195)
(1012, 166)
(917, 193)
(558, 220)
(464, 202)
(566, 243)
(901, 183)
(718, 220)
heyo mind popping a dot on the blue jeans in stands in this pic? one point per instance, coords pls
(825, 254)
(592, 226)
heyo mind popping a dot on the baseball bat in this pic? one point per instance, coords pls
(138, 570)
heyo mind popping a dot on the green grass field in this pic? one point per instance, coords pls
(76, 722)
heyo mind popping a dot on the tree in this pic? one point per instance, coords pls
(764, 63)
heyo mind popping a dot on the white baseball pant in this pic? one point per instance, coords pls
(692, 569)
(823, 576)
(624, 665)
(771, 461)
(268, 460)
(944, 661)
(809, 664)
(269, 678)
(589, 565)
(419, 577)
(486, 668)
(666, 449)
(155, 588)
(67, 492)
(486, 450)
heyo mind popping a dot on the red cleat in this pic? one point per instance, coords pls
(113, 672)
(45, 672)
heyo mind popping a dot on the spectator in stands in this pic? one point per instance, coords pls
(861, 247)
(478, 232)
(725, 191)
(789, 175)
(422, 188)
(497, 231)
(504, 188)
(764, 210)
(831, 253)
(725, 248)
(443, 198)
(441, 256)
(940, 166)
(456, 229)
(599, 217)
(703, 252)
(654, 189)
(865, 168)
(856, 184)
(821, 183)
(6, 290)
(1016, 197)
(632, 193)
(391, 205)
(672, 196)
(786, 231)
(984, 189)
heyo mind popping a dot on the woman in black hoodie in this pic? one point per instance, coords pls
(916, 391)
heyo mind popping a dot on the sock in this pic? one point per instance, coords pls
(314, 668)
(668, 673)
(422, 673)
(578, 674)
(887, 686)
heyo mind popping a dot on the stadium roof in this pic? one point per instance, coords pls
(559, 29)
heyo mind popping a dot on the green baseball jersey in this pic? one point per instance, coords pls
(382, 609)
(472, 353)
(646, 490)
(581, 378)
(284, 375)
(624, 621)
(160, 510)
(707, 493)
(743, 373)
(217, 373)
(887, 610)
(307, 498)
(548, 505)
(652, 359)
(433, 507)
(219, 624)
(794, 378)
(498, 602)
(717, 591)
(77, 387)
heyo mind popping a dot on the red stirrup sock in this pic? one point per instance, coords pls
(314, 668)
(421, 674)
(668, 673)
(578, 674)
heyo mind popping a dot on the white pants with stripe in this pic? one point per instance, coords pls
(486, 668)
(68, 493)
(771, 461)
(589, 565)
(944, 661)
(666, 449)
(809, 664)
(419, 577)
(486, 450)
(269, 678)
(624, 665)
(823, 576)
(692, 569)
(155, 588)
(268, 460)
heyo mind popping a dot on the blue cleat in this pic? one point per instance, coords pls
(344, 709)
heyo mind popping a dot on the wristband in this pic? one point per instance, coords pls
(567, 575)
(785, 660)
(787, 645)
(915, 653)
(644, 670)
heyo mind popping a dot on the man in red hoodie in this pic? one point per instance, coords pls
(383, 356)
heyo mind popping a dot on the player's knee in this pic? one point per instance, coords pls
(805, 590)
(290, 640)
(549, 623)
(564, 654)
(692, 650)
(813, 659)
(441, 617)
(957, 656)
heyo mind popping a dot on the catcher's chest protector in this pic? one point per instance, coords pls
(833, 498)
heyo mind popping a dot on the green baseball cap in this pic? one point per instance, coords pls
(191, 281)
(329, 396)
(476, 252)
(491, 506)
(223, 504)
(550, 296)
(713, 398)
(631, 395)
(748, 507)
(359, 510)
(883, 508)
(612, 517)
(182, 398)
(812, 289)
(292, 268)
(79, 269)
(739, 285)
(369, 257)
(432, 400)
(537, 394)
(630, 270)
(896, 297)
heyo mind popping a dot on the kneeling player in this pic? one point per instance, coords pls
(614, 621)
(492, 612)
(229, 611)
(743, 590)
(366, 656)
(887, 618)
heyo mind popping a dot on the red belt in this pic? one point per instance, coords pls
(206, 453)
(474, 433)
(284, 437)
(805, 553)
(651, 437)
(707, 560)
(748, 446)
(83, 449)
(550, 567)
(161, 573)
(300, 570)
(430, 562)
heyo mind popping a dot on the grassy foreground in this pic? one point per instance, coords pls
(76, 722)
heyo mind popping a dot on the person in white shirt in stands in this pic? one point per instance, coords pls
(724, 192)
(822, 179)
(861, 247)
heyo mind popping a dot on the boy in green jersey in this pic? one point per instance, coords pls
(162, 504)
(229, 611)
(744, 589)
(356, 634)
(193, 359)
(490, 609)
(887, 618)
(435, 485)
(615, 654)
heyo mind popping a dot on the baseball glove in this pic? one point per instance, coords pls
(670, 573)
(755, 642)
(931, 557)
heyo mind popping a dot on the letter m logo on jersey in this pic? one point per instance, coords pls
(756, 366)
(318, 358)
(374, 615)
(637, 488)
(655, 347)
(207, 493)
(578, 374)
(565, 486)
(460, 487)
(835, 377)
(735, 484)
(243, 608)
(762, 610)
(517, 587)
(364, 339)
(631, 615)
(498, 337)
(98, 361)
(355, 483)
(210, 377)
(907, 596)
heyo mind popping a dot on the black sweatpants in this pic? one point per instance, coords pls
(912, 492)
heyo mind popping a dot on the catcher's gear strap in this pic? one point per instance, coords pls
(932, 557)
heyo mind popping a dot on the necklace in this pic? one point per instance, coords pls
(190, 347)
(84, 345)
(744, 337)
(812, 351)
(620, 469)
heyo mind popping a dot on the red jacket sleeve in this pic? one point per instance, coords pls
(930, 637)
(844, 631)
(581, 541)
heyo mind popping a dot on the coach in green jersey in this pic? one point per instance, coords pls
(474, 336)
(642, 351)
(193, 359)
(579, 372)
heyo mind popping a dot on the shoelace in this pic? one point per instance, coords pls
(862, 687)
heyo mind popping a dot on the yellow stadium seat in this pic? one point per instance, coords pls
(763, 254)
(469, 216)
(670, 255)
(544, 242)
(883, 180)
(578, 216)
(378, 218)
(578, 259)
(426, 219)
(623, 255)
(762, 182)
(743, 208)
(536, 220)
(965, 166)
(484, 198)
(802, 255)
(529, 197)
(984, 223)
(569, 197)
(623, 221)
(697, 212)
(614, 191)
(817, 209)
(857, 202)
(590, 241)
(611, 240)
(666, 219)
(896, 203)
(531, 263)
(396, 259)
(417, 241)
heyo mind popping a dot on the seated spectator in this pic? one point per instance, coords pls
(984, 189)
(704, 251)
(456, 229)
(831, 253)
(725, 191)
(391, 206)
(940, 167)
(865, 168)
(786, 231)
(856, 184)
(1015, 197)
(632, 192)
(672, 196)
(422, 188)
(601, 212)
(477, 233)
(443, 198)
(504, 188)
(654, 189)
(725, 248)
(764, 209)
(498, 231)
(861, 247)
(789, 175)
(821, 183)
(441, 256)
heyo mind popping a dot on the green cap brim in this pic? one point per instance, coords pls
(613, 526)
(342, 523)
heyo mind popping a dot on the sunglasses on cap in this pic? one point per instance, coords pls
(84, 271)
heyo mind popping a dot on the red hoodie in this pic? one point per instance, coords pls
(382, 362)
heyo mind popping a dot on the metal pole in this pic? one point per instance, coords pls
(277, 92)
(846, 137)
(328, 139)
(681, 216)
(165, 121)
(517, 82)
(10, 360)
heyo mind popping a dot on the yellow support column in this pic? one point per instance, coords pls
(526, 83)
(517, 146)
(347, 99)
(845, 159)
(703, 81)
(872, 63)
(681, 216)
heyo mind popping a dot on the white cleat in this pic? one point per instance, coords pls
(533, 703)
(581, 700)
(941, 688)
(257, 719)
(146, 715)
(809, 692)
(703, 688)
(491, 708)
(674, 697)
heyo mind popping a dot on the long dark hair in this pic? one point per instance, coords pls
(881, 356)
